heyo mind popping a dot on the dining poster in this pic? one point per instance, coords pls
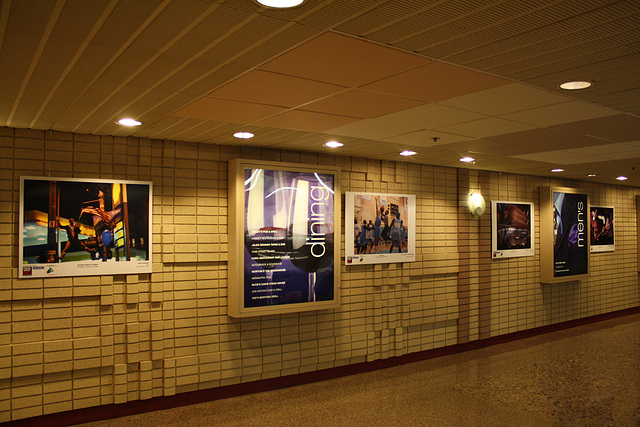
(286, 220)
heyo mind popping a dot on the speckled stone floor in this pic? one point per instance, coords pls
(584, 376)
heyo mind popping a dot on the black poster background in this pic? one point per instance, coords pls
(288, 237)
(570, 216)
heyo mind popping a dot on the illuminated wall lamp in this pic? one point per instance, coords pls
(477, 205)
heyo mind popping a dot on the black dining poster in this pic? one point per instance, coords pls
(289, 228)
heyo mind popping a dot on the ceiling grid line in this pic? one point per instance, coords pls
(536, 40)
(152, 59)
(114, 58)
(73, 61)
(36, 57)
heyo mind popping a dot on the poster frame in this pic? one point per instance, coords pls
(602, 247)
(497, 253)
(236, 228)
(352, 258)
(547, 251)
(55, 267)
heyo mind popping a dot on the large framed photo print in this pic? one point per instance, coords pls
(512, 226)
(602, 231)
(284, 228)
(564, 234)
(379, 228)
(83, 227)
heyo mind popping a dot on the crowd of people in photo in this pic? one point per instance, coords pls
(380, 235)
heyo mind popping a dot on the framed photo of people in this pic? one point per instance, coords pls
(284, 234)
(564, 234)
(379, 228)
(512, 229)
(84, 227)
(602, 231)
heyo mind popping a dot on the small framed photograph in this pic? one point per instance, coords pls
(379, 228)
(602, 231)
(512, 229)
(84, 227)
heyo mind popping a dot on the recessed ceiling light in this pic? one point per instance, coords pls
(243, 135)
(333, 144)
(591, 175)
(622, 178)
(557, 170)
(467, 159)
(280, 4)
(129, 122)
(408, 153)
(577, 85)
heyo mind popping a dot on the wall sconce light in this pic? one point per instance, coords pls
(476, 204)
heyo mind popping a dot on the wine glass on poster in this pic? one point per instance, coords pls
(266, 240)
(311, 225)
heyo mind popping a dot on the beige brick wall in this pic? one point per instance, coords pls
(69, 343)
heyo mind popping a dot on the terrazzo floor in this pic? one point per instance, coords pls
(584, 376)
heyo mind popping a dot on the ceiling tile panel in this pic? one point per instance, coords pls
(620, 127)
(428, 138)
(306, 120)
(485, 127)
(532, 136)
(504, 99)
(342, 60)
(225, 110)
(274, 89)
(566, 143)
(560, 113)
(435, 82)
(415, 119)
(556, 158)
(362, 104)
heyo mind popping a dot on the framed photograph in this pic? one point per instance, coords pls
(564, 234)
(84, 227)
(602, 231)
(512, 229)
(284, 234)
(379, 228)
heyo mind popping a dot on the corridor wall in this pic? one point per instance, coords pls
(70, 343)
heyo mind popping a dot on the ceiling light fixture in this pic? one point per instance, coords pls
(577, 85)
(280, 4)
(129, 122)
(333, 144)
(591, 175)
(408, 153)
(243, 135)
(557, 170)
(467, 159)
(622, 178)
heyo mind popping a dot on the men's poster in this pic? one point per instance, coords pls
(75, 227)
(570, 234)
(289, 230)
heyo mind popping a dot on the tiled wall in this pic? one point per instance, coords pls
(68, 343)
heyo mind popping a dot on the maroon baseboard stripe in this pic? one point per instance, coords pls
(104, 412)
